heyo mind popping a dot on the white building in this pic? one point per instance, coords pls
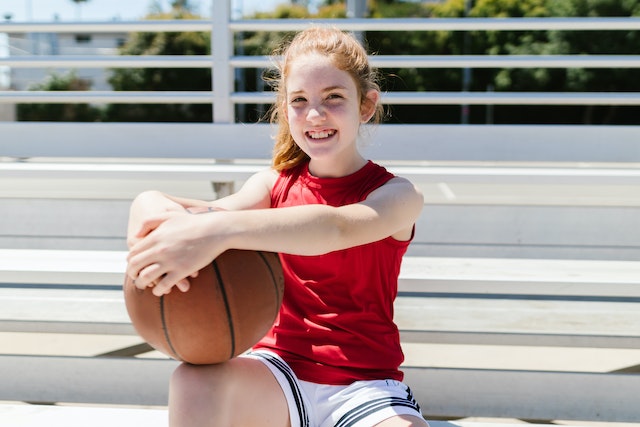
(52, 44)
(35, 44)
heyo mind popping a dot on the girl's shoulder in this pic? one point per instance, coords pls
(267, 176)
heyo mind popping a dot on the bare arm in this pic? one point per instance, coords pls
(254, 194)
(317, 229)
(151, 208)
(186, 243)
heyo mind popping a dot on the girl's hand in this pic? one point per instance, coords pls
(146, 206)
(173, 247)
(151, 224)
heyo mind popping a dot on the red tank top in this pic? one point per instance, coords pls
(336, 325)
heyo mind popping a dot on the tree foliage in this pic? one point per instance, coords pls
(409, 43)
(515, 43)
(163, 79)
(59, 112)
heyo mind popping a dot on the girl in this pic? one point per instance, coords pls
(341, 224)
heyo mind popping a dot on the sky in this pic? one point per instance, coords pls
(100, 10)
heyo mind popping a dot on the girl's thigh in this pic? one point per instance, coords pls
(240, 392)
(403, 421)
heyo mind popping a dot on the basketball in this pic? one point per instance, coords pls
(230, 306)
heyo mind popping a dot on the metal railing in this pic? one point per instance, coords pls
(225, 62)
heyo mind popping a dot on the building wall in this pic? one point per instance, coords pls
(62, 44)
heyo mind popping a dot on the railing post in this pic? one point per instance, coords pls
(221, 52)
(357, 9)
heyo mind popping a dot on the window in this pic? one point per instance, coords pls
(83, 38)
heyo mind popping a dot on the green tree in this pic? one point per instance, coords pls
(412, 42)
(595, 43)
(419, 43)
(60, 112)
(163, 79)
(515, 43)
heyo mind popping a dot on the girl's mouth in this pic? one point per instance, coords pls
(322, 134)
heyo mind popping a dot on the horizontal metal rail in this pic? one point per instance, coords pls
(445, 24)
(512, 98)
(355, 24)
(105, 27)
(395, 98)
(223, 60)
(98, 97)
(108, 61)
(379, 61)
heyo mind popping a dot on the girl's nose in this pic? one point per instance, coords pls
(315, 113)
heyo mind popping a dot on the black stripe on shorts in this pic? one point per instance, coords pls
(293, 384)
(358, 413)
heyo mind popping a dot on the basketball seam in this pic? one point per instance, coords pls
(273, 276)
(165, 328)
(223, 291)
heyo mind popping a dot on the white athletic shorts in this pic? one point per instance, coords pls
(361, 404)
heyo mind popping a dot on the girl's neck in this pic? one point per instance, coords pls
(333, 169)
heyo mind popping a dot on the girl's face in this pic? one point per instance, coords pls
(324, 114)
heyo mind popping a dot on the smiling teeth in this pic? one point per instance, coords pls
(320, 135)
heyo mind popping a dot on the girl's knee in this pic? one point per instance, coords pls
(186, 373)
(198, 397)
(217, 395)
(185, 378)
(198, 379)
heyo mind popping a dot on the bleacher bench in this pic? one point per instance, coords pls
(529, 275)
(442, 300)
(508, 153)
(60, 416)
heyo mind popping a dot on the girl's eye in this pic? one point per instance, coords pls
(297, 100)
(335, 96)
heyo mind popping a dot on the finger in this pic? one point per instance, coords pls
(132, 241)
(165, 285)
(139, 257)
(149, 275)
(133, 271)
(183, 285)
(157, 291)
(149, 225)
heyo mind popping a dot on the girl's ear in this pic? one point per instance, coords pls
(369, 104)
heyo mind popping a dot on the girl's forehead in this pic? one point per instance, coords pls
(310, 61)
(314, 69)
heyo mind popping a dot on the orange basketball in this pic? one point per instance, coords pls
(229, 307)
